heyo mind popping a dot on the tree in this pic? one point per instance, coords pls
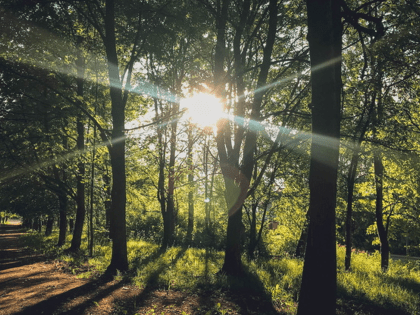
(80, 186)
(237, 176)
(324, 36)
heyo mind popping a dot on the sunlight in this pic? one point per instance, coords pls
(202, 109)
(56, 160)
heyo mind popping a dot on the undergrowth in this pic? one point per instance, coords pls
(363, 290)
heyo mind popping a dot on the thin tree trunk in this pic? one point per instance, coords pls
(107, 203)
(318, 289)
(253, 232)
(169, 216)
(71, 225)
(161, 193)
(62, 201)
(49, 225)
(349, 214)
(80, 186)
(92, 183)
(190, 227)
(382, 231)
(206, 186)
(36, 224)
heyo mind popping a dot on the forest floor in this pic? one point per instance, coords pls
(33, 284)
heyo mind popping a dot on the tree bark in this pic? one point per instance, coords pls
(232, 263)
(349, 213)
(190, 226)
(382, 231)
(80, 186)
(62, 201)
(169, 216)
(253, 231)
(107, 203)
(318, 289)
(119, 260)
(49, 225)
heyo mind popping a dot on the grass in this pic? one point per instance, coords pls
(363, 290)
(396, 291)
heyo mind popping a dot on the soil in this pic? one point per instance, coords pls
(32, 284)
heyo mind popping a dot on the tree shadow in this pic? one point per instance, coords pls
(246, 291)
(130, 305)
(11, 252)
(408, 284)
(57, 302)
(358, 303)
(36, 284)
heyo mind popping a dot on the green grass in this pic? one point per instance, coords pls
(363, 290)
(396, 291)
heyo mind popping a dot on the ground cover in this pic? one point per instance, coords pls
(38, 278)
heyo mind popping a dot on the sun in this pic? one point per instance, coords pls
(202, 109)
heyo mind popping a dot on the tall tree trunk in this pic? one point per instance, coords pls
(80, 186)
(206, 187)
(382, 231)
(161, 192)
(91, 194)
(170, 213)
(318, 289)
(232, 263)
(349, 214)
(119, 260)
(351, 178)
(190, 226)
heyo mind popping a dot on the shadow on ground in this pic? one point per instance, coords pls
(49, 291)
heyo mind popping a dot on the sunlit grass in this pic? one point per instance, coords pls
(363, 290)
(398, 288)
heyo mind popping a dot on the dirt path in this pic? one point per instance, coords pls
(30, 284)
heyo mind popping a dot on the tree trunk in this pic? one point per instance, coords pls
(233, 264)
(190, 226)
(318, 289)
(351, 180)
(62, 201)
(49, 226)
(170, 213)
(382, 231)
(235, 230)
(80, 186)
(119, 260)
(36, 224)
(39, 224)
(349, 214)
(107, 203)
(253, 232)
(207, 218)
(71, 225)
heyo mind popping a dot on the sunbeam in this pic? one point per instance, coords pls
(139, 87)
(61, 159)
